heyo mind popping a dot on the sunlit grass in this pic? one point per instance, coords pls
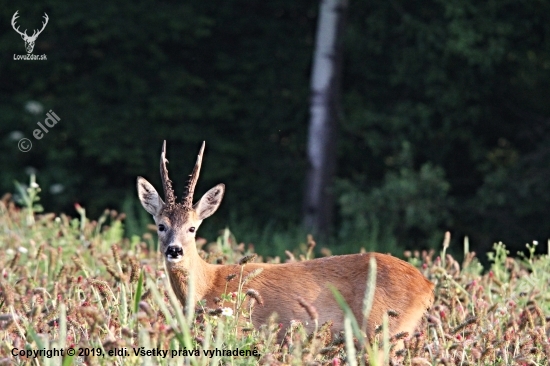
(74, 282)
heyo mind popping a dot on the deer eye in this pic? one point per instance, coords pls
(192, 229)
(162, 227)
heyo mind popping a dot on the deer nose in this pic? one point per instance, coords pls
(174, 251)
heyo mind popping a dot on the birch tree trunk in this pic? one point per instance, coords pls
(324, 113)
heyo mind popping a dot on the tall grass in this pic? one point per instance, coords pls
(74, 282)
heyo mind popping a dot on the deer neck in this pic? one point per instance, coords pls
(194, 268)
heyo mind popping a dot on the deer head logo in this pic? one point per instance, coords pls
(29, 40)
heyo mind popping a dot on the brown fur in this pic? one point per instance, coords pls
(399, 286)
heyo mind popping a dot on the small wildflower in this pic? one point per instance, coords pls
(252, 275)
(116, 255)
(22, 250)
(255, 295)
(15, 259)
(393, 313)
(8, 293)
(501, 311)
(135, 270)
(215, 312)
(310, 246)
(310, 241)
(227, 312)
(247, 258)
(148, 269)
(400, 335)
(310, 309)
(461, 326)
(293, 324)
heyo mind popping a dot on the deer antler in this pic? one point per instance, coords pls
(43, 26)
(166, 182)
(192, 182)
(13, 20)
(34, 34)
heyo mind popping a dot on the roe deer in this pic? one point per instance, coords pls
(282, 287)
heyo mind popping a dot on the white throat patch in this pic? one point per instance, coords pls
(174, 260)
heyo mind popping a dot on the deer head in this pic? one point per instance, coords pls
(29, 40)
(177, 222)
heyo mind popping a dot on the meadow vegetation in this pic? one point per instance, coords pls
(75, 282)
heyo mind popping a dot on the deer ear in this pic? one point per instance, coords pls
(209, 203)
(149, 197)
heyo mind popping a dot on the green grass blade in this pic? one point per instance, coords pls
(347, 312)
(139, 291)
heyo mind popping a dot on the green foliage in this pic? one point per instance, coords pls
(137, 218)
(271, 239)
(124, 76)
(409, 209)
(463, 83)
(498, 259)
(28, 198)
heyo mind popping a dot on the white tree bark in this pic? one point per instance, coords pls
(325, 91)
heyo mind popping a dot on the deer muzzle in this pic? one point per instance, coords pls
(174, 253)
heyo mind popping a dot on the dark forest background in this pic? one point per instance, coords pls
(444, 119)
